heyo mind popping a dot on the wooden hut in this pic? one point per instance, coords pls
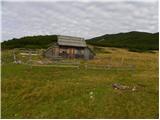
(69, 47)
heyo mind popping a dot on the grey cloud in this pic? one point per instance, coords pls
(77, 18)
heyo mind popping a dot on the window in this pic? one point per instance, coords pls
(63, 50)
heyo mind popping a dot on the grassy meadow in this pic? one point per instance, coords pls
(57, 92)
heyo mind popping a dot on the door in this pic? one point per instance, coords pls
(71, 52)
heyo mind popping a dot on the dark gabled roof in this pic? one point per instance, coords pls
(71, 41)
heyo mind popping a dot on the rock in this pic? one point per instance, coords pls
(124, 87)
(18, 62)
(39, 62)
(91, 97)
(91, 93)
(119, 86)
(134, 88)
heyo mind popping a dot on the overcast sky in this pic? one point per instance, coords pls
(77, 18)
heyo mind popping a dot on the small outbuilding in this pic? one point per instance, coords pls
(69, 47)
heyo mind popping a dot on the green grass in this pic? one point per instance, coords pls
(53, 92)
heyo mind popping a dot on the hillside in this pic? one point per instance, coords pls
(134, 41)
(33, 42)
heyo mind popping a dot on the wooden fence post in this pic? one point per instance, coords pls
(30, 59)
(78, 65)
(14, 56)
(122, 60)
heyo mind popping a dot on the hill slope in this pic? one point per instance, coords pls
(30, 42)
(137, 41)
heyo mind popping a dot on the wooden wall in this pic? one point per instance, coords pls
(69, 52)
